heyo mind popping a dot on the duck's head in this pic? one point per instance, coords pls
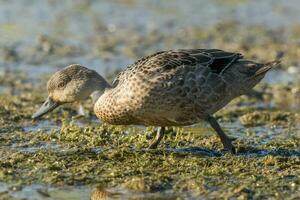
(71, 84)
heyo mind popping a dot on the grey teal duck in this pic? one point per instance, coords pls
(168, 88)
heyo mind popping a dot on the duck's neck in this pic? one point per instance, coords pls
(100, 85)
(95, 96)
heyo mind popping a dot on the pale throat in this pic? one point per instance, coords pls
(100, 86)
(96, 95)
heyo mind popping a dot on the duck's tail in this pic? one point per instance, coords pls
(266, 67)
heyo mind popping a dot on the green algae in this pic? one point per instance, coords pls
(115, 156)
(258, 118)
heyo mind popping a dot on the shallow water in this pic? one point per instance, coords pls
(282, 77)
(44, 125)
(37, 192)
(23, 27)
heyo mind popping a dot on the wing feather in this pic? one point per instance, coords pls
(164, 61)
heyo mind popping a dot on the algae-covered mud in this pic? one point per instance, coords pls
(62, 156)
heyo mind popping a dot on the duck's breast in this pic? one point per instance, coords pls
(112, 108)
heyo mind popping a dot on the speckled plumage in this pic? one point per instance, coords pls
(173, 88)
(168, 88)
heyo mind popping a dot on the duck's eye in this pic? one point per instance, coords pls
(61, 85)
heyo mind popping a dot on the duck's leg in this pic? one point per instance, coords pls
(226, 141)
(80, 110)
(159, 135)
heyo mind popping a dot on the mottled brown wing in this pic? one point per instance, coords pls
(164, 61)
(137, 65)
(173, 85)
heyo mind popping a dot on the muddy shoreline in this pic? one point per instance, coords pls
(61, 156)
